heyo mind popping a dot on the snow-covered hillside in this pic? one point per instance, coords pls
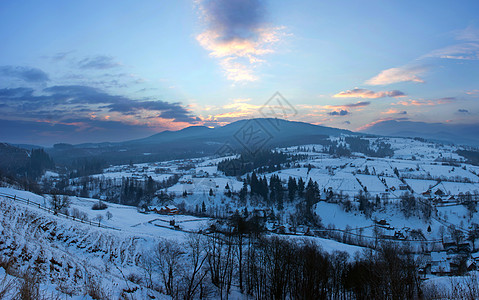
(424, 197)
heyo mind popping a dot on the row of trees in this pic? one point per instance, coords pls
(127, 191)
(357, 144)
(274, 193)
(277, 268)
(262, 161)
(22, 164)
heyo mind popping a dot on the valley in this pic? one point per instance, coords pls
(422, 198)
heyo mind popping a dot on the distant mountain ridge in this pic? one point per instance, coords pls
(465, 134)
(280, 130)
(197, 141)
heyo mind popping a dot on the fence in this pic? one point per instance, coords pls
(357, 239)
(38, 205)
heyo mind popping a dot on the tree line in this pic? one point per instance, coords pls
(262, 161)
(264, 267)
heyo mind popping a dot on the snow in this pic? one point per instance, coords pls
(420, 186)
(421, 165)
(333, 214)
(373, 184)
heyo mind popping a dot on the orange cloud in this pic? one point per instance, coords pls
(239, 57)
(390, 112)
(412, 102)
(237, 35)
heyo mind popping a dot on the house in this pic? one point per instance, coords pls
(475, 257)
(416, 235)
(279, 229)
(383, 222)
(201, 174)
(449, 246)
(464, 248)
(471, 265)
(399, 235)
(440, 263)
(166, 210)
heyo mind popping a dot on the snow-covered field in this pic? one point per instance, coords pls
(432, 173)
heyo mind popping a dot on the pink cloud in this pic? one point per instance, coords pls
(395, 75)
(237, 35)
(413, 102)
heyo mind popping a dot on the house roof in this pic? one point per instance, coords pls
(438, 256)
(441, 267)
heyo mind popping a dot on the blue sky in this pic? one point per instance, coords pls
(90, 71)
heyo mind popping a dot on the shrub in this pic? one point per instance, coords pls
(76, 213)
(99, 206)
(29, 287)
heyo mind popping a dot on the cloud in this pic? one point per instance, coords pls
(74, 98)
(371, 124)
(238, 35)
(472, 92)
(400, 74)
(61, 56)
(15, 92)
(470, 33)
(339, 113)
(27, 74)
(393, 111)
(364, 93)
(357, 104)
(466, 51)
(173, 111)
(464, 111)
(100, 62)
(47, 132)
(412, 102)
(346, 107)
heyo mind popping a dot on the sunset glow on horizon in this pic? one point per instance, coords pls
(85, 71)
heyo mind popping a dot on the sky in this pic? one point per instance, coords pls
(106, 71)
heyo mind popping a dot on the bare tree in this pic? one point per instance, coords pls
(99, 218)
(168, 257)
(149, 266)
(197, 272)
(58, 202)
(221, 261)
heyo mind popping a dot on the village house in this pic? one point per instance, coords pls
(440, 263)
(165, 210)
